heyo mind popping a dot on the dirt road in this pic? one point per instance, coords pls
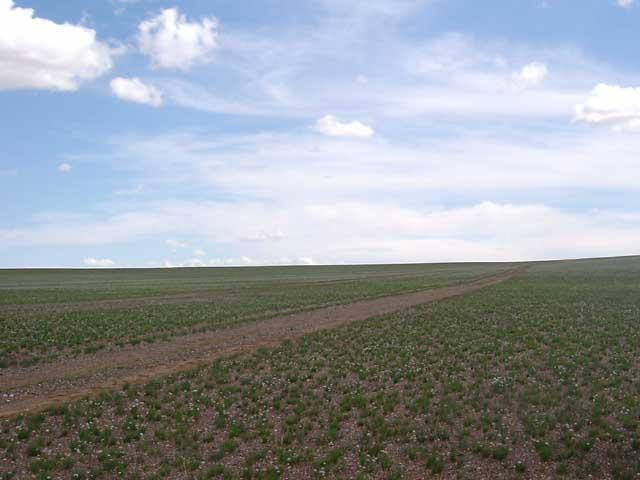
(25, 390)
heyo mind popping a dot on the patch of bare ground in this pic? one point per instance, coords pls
(30, 389)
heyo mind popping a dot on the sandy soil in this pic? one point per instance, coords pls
(30, 389)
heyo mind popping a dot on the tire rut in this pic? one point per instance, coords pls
(28, 390)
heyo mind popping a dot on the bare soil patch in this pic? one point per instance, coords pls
(30, 389)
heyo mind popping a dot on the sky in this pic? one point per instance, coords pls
(142, 133)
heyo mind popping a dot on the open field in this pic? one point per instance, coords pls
(44, 313)
(30, 389)
(68, 285)
(534, 377)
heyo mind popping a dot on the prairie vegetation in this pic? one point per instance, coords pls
(48, 313)
(534, 378)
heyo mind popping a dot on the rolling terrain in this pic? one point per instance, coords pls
(532, 373)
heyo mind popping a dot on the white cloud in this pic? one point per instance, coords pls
(331, 126)
(40, 54)
(375, 207)
(98, 262)
(198, 252)
(265, 236)
(618, 107)
(382, 232)
(135, 90)
(64, 168)
(469, 136)
(625, 3)
(242, 261)
(253, 166)
(531, 75)
(331, 210)
(174, 244)
(306, 261)
(285, 75)
(173, 42)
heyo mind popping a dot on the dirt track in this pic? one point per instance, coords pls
(35, 388)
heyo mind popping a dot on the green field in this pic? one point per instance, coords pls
(24, 286)
(537, 377)
(47, 312)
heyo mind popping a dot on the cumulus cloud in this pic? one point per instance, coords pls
(98, 262)
(64, 168)
(331, 126)
(135, 90)
(173, 42)
(40, 54)
(625, 3)
(618, 107)
(531, 75)
(198, 252)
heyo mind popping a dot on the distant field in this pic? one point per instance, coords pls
(537, 377)
(67, 285)
(49, 312)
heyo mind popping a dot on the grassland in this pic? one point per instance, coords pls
(68, 285)
(45, 313)
(537, 377)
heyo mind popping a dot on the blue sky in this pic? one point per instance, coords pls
(152, 133)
